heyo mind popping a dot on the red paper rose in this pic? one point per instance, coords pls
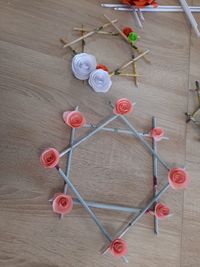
(161, 211)
(127, 31)
(62, 203)
(49, 158)
(103, 67)
(140, 3)
(74, 119)
(178, 178)
(119, 247)
(123, 106)
(157, 133)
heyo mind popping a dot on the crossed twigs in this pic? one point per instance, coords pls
(118, 71)
(192, 116)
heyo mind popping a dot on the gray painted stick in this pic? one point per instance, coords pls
(139, 216)
(89, 134)
(155, 177)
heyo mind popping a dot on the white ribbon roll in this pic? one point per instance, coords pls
(100, 81)
(82, 65)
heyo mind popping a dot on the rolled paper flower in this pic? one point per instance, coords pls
(127, 31)
(103, 67)
(178, 178)
(74, 119)
(62, 203)
(100, 81)
(82, 65)
(119, 247)
(49, 158)
(123, 106)
(132, 36)
(161, 211)
(140, 3)
(157, 133)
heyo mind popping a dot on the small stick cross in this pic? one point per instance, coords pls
(90, 33)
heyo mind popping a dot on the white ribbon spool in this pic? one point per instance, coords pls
(100, 81)
(82, 65)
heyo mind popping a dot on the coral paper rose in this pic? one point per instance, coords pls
(178, 178)
(123, 106)
(161, 211)
(62, 203)
(50, 158)
(74, 119)
(157, 133)
(119, 247)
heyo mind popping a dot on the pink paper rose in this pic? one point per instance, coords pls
(123, 106)
(62, 203)
(161, 211)
(178, 178)
(157, 133)
(119, 247)
(74, 119)
(49, 158)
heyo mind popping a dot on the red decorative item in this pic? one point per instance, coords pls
(178, 178)
(127, 31)
(49, 158)
(103, 67)
(62, 204)
(123, 106)
(140, 3)
(157, 133)
(74, 119)
(119, 247)
(161, 211)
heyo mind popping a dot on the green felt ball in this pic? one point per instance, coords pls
(133, 37)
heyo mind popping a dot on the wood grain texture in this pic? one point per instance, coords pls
(191, 236)
(37, 85)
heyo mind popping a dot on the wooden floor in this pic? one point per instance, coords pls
(37, 85)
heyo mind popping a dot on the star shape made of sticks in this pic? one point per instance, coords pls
(115, 244)
(119, 70)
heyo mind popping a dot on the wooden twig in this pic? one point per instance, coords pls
(118, 29)
(195, 112)
(101, 32)
(128, 63)
(134, 72)
(198, 92)
(126, 38)
(82, 44)
(90, 33)
(129, 75)
(83, 41)
(65, 42)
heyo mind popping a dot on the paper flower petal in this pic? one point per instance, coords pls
(82, 65)
(100, 81)
(140, 3)
(161, 211)
(127, 31)
(74, 119)
(133, 36)
(62, 204)
(123, 106)
(49, 158)
(119, 247)
(103, 67)
(157, 133)
(178, 178)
